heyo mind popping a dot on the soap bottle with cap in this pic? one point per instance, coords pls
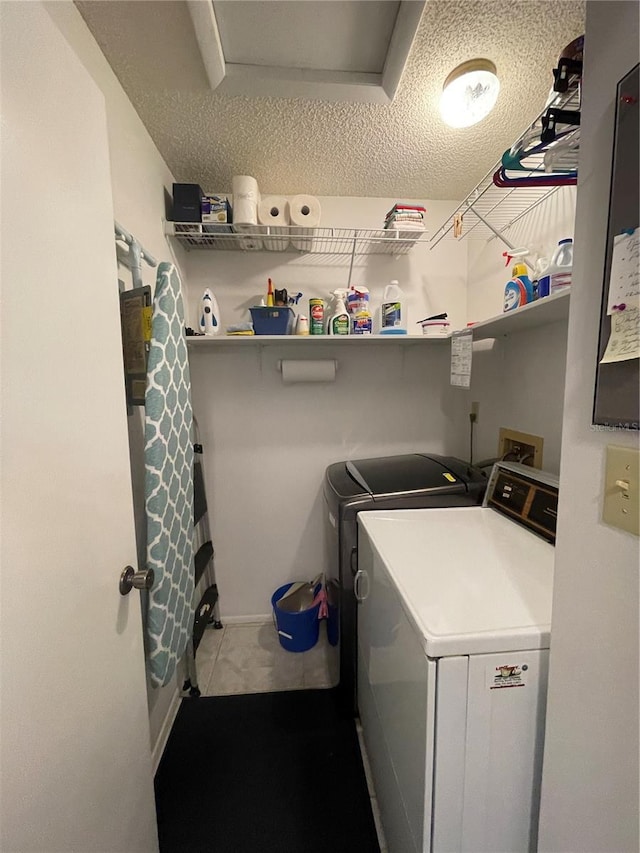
(339, 322)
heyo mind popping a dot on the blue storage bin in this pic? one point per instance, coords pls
(272, 321)
(297, 632)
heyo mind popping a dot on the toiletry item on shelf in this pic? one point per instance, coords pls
(392, 307)
(435, 326)
(281, 297)
(270, 296)
(557, 275)
(519, 290)
(304, 215)
(273, 211)
(362, 323)
(210, 314)
(216, 214)
(338, 322)
(246, 198)
(357, 299)
(302, 325)
(316, 312)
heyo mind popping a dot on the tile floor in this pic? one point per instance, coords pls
(248, 658)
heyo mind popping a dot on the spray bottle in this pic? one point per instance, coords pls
(519, 289)
(210, 315)
(338, 322)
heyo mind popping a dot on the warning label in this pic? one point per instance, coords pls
(507, 675)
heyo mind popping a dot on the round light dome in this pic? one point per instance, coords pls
(469, 93)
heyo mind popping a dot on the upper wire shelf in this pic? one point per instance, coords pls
(489, 211)
(329, 241)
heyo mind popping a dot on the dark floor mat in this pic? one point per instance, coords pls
(264, 772)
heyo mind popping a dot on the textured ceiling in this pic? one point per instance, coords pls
(302, 146)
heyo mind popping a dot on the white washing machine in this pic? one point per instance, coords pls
(453, 639)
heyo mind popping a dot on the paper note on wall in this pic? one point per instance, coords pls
(624, 342)
(624, 282)
(461, 357)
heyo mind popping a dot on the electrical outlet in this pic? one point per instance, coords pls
(621, 504)
(514, 446)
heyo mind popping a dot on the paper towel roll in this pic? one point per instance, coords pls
(246, 198)
(273, 211)
(310, 370)
(304, 212)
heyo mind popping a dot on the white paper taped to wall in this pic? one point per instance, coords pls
(309, 370)
(624, 281)
(461, 358)
(624, 342)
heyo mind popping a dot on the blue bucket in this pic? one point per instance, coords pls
(297, 632)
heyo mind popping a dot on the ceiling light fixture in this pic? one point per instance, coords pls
(469, 93)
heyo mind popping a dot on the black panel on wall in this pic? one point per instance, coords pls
(617, 392)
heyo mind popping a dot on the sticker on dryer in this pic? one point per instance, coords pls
(507, 675)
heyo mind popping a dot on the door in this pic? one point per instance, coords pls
(76, 762)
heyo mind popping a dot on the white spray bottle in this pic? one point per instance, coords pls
(210, 314)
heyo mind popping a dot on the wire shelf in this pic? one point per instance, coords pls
(489, 209)
(317, 241)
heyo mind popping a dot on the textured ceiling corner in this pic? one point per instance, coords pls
(294, 145)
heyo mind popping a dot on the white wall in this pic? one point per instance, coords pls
(590, 775)
(538, 231)
(267, 445)
(140, 179)
(433, 281)
(519, 383)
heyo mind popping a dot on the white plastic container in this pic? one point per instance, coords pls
(557, 275)
(435, 328)
(392, 307)
(209, 314)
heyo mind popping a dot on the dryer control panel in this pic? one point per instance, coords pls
(525, 495)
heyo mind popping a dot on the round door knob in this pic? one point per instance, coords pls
(130, 579)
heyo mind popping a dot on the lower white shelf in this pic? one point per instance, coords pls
(543, 312)
(202, 342)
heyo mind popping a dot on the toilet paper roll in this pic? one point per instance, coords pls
(304, 213)
(273, 211)
(310, 370)
(246, 198)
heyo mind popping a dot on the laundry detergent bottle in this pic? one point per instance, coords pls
(391, 320)
(519, 289)
(557, 275)
(209, 314)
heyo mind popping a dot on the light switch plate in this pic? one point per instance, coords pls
(621, 504)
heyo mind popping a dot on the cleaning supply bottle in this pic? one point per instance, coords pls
(210, 314)
(270, 300)
(557, 275)
(362, 322)
(519, 290)
(392, 321)
(338, 322)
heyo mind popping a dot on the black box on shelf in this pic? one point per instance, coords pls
(187, 199)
